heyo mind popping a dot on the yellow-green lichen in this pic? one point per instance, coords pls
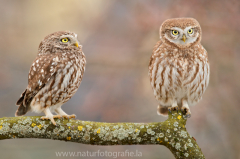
(171, 133)
(98, 131)
(80, 128)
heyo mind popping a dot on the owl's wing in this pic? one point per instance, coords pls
(157, 45)
(42, 69)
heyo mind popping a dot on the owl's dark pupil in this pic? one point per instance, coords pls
(175, 32)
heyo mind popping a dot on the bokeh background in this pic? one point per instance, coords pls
(118, 38)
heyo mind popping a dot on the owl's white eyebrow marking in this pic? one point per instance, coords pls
(176, 28)
(66, 36)
(187, 28)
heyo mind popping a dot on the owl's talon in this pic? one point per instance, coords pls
(66, 117)
(175, 108)
(186, 112)
(57, 116)
(72, 116)
(69, 116)
(169, 109)
(44, 118)
(48, 118)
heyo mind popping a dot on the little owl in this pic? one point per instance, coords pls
(54, 76)
(179, 68)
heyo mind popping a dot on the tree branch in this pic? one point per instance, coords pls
(171, 133)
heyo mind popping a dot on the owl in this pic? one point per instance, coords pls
(179, 68)
(54, 76)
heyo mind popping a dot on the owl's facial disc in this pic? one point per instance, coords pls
(69, 40)
(182, 37)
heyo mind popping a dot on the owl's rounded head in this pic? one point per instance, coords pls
(59, 41)
(180, 32)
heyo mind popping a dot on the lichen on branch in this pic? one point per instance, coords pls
(171, 133)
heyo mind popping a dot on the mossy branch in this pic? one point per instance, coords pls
(171, 133)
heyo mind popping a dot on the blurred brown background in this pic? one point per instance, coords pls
(118, 38)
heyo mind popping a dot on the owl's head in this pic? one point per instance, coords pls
(180, 32)
(59, 41)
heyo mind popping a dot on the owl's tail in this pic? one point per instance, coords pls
(162, 110)
(22, 109)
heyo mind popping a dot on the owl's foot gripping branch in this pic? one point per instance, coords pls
(171, 133)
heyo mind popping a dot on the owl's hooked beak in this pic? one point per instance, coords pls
(76, 44)
(184, 37)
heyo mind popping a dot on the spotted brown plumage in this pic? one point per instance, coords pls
(179, 68)
(54, 76)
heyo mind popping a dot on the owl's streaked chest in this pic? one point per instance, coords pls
(175, 72)
(74, 75)
(183, 61)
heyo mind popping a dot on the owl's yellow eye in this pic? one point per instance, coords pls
(190, 31)
(175, 32)
(64, 40)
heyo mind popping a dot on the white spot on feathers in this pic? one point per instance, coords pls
(39, 82)
(48, 103)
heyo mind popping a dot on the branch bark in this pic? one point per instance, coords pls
(171, 133)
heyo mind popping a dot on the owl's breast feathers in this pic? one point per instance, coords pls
(179, 72)
(52, 77)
